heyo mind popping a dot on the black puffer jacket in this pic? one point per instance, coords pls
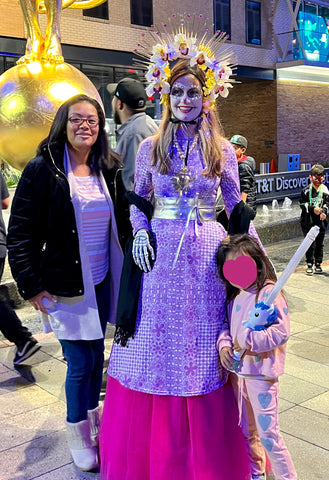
(247, 181)
(43, 244)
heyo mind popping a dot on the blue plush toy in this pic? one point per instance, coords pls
(261, 317)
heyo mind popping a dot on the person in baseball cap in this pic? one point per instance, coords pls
(128, 107)
(130, 91)
(246, 167)
(239, 140)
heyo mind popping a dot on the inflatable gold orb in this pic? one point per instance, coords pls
(30, 95)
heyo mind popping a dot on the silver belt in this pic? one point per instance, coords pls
(181, 208)
(178, 208)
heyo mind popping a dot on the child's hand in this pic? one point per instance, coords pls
(317, 210)
(323, 216)
(226, 358)
(236, 346)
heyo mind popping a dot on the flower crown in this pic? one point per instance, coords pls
(203, 52)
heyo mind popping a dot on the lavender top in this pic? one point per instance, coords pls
(180, 312)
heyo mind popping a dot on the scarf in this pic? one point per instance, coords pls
(130, 281)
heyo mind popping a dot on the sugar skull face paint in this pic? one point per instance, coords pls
(186, 98)
(178, 91)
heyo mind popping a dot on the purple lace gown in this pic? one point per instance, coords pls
(180, 315)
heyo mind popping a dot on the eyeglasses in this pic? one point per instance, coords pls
(78, 121)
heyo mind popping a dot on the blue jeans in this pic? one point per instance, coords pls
(85, 360)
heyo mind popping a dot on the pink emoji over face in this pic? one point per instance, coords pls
(241, 272)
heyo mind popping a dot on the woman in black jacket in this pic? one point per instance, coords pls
(66, 258)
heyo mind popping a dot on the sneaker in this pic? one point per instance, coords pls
(318, 269)
(26, 351)
(309, 270)
(258, 477)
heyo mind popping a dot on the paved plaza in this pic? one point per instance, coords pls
(32, 402)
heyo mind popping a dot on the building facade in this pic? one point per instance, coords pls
(281, 98)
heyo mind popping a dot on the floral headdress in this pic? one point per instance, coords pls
(183, 42)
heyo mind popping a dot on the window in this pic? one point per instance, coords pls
(102, 11)
(313, 26)
(141, 12)
(222, 16)
(253, 22)
(310, 8)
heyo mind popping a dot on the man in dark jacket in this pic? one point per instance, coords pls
(247, 167)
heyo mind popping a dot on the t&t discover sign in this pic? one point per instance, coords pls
(283, 184)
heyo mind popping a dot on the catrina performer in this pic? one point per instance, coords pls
(169, 413)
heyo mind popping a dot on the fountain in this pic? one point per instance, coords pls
(286, 204)
(275, 204)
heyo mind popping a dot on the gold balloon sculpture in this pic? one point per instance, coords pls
(32, 91)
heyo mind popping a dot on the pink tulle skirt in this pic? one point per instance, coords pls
(155, 437)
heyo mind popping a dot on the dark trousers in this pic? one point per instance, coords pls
(10, 324)
(85, 359)
(315, 253)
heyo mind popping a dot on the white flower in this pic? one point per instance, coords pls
(183, 44)
(158, 86)
(159, 52)
(199, 59)
(155, 71)
(222, 89)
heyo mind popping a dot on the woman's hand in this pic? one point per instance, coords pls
(142, 250)
(36, 301)
(226, 357)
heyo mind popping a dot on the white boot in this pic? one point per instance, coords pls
(94, 417)
(83, 452)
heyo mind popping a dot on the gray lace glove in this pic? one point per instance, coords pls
(142, 251)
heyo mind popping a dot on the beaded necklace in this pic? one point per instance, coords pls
(316, 202)
(184, 177)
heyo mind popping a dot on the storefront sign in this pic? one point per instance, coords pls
(283, 184)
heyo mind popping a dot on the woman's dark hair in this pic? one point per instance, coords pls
(245, 245)
(101, 155)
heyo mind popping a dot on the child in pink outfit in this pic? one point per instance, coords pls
(255, 381)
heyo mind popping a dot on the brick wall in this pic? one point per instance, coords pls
(250, 110)
(11, 19)
(303, 120)
(118, 34)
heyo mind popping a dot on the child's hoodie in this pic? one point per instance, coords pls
(266, 349)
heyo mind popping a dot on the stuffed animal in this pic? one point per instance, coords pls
(260, 317)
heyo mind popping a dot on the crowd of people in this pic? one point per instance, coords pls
(93, 230)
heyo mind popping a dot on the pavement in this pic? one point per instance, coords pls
(32, 399)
